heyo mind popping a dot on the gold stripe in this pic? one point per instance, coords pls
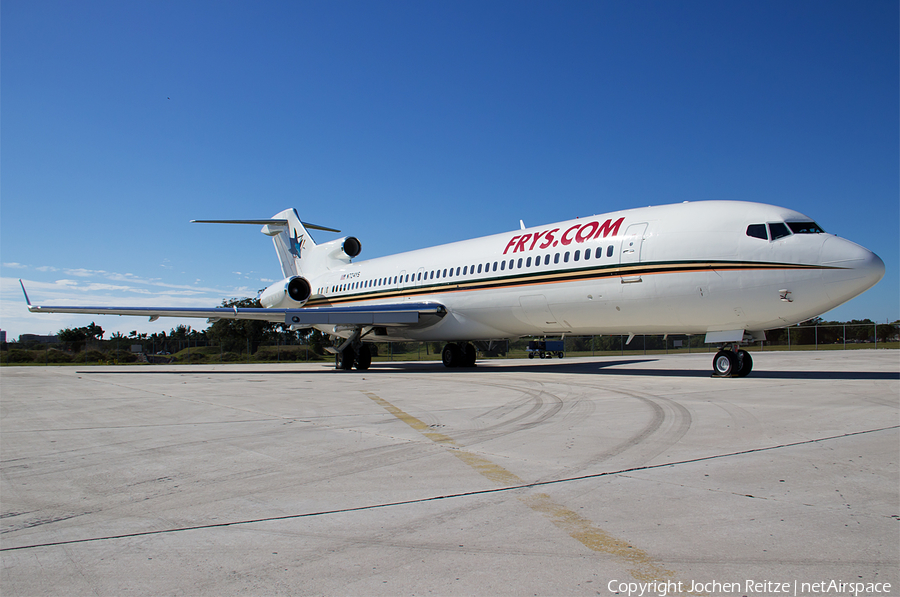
(641, 565)
(540, 279)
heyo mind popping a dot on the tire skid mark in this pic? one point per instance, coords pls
(641, 566)
(539, 398)
(670, 421)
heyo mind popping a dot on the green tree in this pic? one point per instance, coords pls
(233, 334)
(886, 332)
(74, 339)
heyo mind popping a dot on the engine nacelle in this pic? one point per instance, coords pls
(342, 249)
(289, 293)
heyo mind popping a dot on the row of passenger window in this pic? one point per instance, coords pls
(465, 270)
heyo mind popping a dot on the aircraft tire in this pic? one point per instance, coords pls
(724, 363)
(745, 363)
(364, 358)
(451, 356)
(345, 359)
(469, 355)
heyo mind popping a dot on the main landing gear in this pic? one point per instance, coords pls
(360, 357)
(352, 353)
(458, 355)
(731, 361)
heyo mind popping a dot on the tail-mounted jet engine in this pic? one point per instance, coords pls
(289, 293)
(342, 249)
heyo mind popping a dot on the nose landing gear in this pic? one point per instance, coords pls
(732, 362)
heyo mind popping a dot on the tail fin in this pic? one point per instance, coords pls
(289, 235)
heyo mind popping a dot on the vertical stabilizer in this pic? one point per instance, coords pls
(290, 238)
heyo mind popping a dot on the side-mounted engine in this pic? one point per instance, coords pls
(342, 249)
(289, 293)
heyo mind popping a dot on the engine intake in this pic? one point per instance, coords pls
(351, 246)
(290, 292)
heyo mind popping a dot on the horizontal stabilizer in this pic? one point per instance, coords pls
(266, 222)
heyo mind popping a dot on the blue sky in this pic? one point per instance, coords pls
(410, 124)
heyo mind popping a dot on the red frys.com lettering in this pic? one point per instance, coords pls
(578, 233)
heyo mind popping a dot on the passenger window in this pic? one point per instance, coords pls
(587, 254)
(465, 270)
(457, 271)
(495, 266)
(757, 231)
(512, 262)
(778, 230)
(566, 257)
(520, 262)
(479, 268)
(578, 255)
(502, 265)
(547, 259)
(556, 258)
(609, 251)
(528, 262)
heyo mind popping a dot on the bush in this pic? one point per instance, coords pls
(230, 357)
(121, 356)
(271, 353)
(91, 356)
(193, 357)
(57, 356)
(19, 356)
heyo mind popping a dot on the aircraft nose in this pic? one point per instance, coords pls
(852, 269)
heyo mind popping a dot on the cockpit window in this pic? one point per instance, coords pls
(778, 230)
(757, 231)
(805, 228)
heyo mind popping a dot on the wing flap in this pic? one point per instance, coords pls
(403, 314)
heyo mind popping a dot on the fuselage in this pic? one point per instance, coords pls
(685, 268)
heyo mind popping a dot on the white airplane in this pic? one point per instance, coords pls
(726, 269)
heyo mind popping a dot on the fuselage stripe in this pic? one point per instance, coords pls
(556, 276)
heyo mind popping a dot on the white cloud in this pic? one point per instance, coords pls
(84, 273)
(15, 265)
(15, 318)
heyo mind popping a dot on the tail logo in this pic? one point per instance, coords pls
(297, 242)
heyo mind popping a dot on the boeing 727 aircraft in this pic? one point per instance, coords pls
(726, 269)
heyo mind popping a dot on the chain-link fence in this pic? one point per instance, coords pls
(293, 347)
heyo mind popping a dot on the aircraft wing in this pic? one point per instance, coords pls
(393, 314)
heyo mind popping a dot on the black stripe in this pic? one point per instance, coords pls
(568, 275)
